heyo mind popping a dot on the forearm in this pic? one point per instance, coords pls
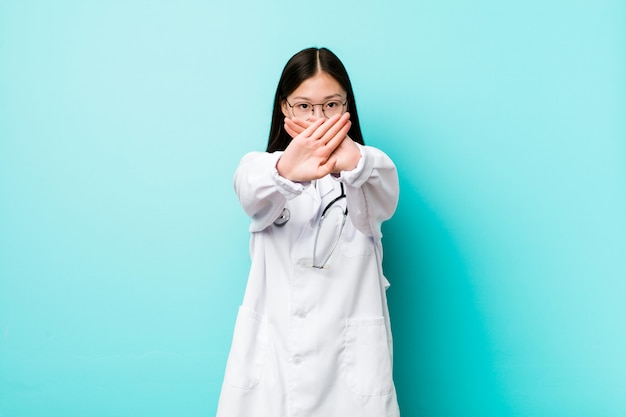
(262, 192)
(372, 190)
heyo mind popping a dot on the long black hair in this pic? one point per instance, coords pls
(302, 66)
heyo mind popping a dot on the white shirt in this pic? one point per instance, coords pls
(312, 342)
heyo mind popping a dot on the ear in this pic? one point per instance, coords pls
(285, 108)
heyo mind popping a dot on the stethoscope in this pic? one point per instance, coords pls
(286, 215)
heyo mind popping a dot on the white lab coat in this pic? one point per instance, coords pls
(313, 342)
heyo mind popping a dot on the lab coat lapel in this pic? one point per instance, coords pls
(325, 186)
(318, 192)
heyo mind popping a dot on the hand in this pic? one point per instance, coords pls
(347, 153)
(309, 155)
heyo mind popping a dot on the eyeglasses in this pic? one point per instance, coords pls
(303, 109)
(333, 205)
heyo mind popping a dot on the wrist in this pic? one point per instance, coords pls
(280, 168)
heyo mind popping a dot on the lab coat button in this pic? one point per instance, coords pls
(300, 314)
(297, 360)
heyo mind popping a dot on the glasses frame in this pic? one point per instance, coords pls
(343, 106)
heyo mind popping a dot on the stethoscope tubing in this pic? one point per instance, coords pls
(286, 215)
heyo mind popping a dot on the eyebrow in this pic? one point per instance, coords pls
(325, 98)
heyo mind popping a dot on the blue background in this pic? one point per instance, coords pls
(123, 251)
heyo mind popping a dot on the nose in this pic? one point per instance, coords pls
(317, 111)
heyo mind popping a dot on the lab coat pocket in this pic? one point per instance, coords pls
(367, 357)
(247, 353)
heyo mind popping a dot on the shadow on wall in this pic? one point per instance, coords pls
(443, 358)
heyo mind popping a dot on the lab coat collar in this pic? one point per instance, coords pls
(325, 185)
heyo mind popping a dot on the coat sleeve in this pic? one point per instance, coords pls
(261, 191)
(372, 191)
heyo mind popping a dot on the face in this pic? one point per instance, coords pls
(319, 89)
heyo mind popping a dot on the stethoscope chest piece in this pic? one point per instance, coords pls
(283, 218)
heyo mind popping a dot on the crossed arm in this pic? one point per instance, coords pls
(318, 148)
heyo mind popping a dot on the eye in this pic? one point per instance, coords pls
(302, 106)
(332, 105)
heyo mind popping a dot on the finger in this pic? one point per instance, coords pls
(303, 124)
(291, 128)
(327, 167)
(295, 126)
(309, 131)
(335, 141)
(290, 131)
(336, 128)
(328, 124)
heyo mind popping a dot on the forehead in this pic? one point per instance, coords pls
(321, 86)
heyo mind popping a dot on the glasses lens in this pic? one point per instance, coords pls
(302, 110)
(332, 108)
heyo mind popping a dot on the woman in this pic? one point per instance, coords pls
(312, 336)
